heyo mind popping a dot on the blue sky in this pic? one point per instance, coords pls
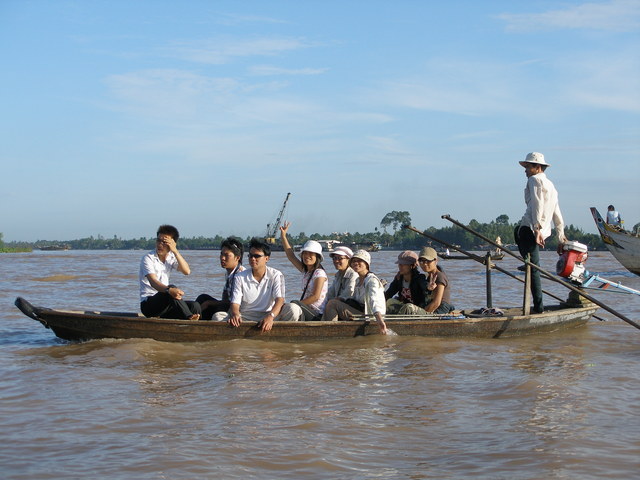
(118, 116)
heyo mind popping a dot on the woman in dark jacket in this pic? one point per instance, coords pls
(410, 286)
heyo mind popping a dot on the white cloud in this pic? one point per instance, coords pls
(266, 70)
(222, 50)
(602, 80)
(461, 87)
(614, 15)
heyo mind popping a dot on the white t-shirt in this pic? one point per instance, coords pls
(151, 263)
(613, 217)
(309, 281)
(254, 296)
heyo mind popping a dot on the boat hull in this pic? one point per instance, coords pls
(624, 246)
(76, 325)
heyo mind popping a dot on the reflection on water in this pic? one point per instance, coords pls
(549, 406)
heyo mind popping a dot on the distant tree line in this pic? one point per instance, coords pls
(398, 239)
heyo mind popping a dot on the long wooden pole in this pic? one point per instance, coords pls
(474, 257)
(546, 274)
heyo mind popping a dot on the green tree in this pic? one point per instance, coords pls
(395, 220)
(502, 219)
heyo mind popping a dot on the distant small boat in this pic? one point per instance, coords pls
(494, 256)
(623, 245)
(51, 248)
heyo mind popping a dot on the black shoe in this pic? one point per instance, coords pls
(522, 268)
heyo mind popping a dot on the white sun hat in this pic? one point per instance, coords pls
(534, 157)
(363, 255)
(342, 250)
(313, 247)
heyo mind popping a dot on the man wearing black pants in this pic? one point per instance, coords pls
(541, 198)
(159, 298)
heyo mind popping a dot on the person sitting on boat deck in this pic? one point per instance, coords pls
(344, 281)
(159, 298)
(409, 284)
(314, 279)
(438, 292)
(231, 251)
(541, 198)
(258, 292)
(613, 217)
(368, 296)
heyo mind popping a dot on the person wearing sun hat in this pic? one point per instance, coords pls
(543, 209)
(368, 296)
(410, 286)
(438, 293)
(314, 280)
(344, 281)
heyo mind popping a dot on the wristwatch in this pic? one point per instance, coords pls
(272, 314)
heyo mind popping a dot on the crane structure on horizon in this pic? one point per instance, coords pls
(272, 228)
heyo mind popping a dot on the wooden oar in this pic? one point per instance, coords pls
(475, 257)
(546, 274)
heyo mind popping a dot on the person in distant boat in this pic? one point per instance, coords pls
(258, 292)
(368, 297)
(438, 291)
(231, 251)
(543, 209)
(344, 281)
(158, 297)
(314, 279)
(613, 217)
(410, 286)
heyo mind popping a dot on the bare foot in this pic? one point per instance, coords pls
(195, 316)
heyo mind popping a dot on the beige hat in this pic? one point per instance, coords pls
(428, 253)
(534, 157)
(342, 250)
(407, 258)
(363, 255)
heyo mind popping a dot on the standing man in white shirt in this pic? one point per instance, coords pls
(258, 292)
(541, 198)
(159, 298)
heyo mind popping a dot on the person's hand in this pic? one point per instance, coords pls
(176, 293)
(266, 323)
(539, 238)
(383, 327)
(235, 320)
(170, 243)
(284, 228)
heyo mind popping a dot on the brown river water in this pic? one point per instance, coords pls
(552, 406)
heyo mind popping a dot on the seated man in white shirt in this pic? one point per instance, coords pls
(158, 297)
(258, 292)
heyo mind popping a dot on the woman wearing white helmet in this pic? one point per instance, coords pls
(314, 279)
(344, 281)
(368, 297)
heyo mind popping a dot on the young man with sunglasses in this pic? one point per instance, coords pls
(258, 292)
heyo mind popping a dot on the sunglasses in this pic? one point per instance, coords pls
(255, 255)
(424, 260)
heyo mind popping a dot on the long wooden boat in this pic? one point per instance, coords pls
(623, 245)
(87, 325)
(494, 256)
